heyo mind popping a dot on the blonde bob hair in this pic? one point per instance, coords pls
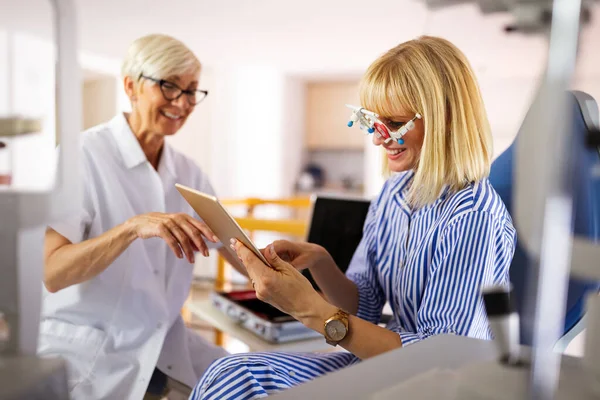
(159, 57)
(431, 76)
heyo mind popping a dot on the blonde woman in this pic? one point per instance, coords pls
(434, 236)
(118, 271)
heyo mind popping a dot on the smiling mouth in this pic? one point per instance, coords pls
(394, 152)
(171, 116)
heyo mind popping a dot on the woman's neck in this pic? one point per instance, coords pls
(151, 142)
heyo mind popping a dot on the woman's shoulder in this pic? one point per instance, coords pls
(478, 197)
(96, 133)
(98, 137)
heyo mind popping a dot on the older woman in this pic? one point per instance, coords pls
(434, 236)
(118, 271)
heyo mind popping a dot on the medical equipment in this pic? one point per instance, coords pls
(372, 123)
(504, 322)
(24, 216)
(453, 367)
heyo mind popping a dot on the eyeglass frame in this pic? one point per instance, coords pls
(161, 82)
(386, 122)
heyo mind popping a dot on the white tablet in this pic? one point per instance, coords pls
(217, 218)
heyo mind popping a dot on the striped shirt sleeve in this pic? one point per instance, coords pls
(466, 258)
(362, 271)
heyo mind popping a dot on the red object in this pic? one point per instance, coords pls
(242, 295)
(382, 129)
(5, 179)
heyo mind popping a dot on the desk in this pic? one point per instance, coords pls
(470, 361)
(204, 310)
(362, 380)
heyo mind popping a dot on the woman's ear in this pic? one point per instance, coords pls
(130, 88)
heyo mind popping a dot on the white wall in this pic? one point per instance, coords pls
(27, 76)
(248, 136)
(4, 77)
(99, 100)
(311, 36)
(256, 127)
(195, 138)
(5, 167)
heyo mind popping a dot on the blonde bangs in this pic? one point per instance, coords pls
(384, 89)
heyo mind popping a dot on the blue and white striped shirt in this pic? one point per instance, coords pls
(431, 263)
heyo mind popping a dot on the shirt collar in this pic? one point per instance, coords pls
(402, 188)
(402, 185)
(130, 149)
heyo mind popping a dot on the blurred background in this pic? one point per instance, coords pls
(278, 73)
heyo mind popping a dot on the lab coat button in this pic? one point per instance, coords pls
(169, 367)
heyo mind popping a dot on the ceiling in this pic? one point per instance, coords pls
(309, 37)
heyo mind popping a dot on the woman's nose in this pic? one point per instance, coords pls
(377, 140)
(182, 103)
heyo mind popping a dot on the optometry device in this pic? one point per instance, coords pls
(371, 123)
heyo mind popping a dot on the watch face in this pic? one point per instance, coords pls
(336, 330)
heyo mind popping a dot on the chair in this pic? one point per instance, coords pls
(586, 212)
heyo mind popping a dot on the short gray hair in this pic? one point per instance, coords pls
(160, 57)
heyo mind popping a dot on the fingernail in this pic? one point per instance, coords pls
(232, 241)
(272, 250)
(232, 247)
(193, 260)
(215, 238)
(205, 252)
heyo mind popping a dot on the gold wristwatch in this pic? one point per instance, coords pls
(336, 328)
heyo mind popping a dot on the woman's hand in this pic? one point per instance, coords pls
(281, 285)
(298, 254)
(183, 234)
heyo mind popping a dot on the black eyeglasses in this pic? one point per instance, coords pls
(172, 92)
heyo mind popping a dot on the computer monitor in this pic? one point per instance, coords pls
(337, 225)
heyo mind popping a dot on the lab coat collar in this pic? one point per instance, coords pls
(128, 145)
(130, 149)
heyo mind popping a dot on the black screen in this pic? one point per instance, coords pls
(337, 225)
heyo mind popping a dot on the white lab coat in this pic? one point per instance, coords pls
(116, 328)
